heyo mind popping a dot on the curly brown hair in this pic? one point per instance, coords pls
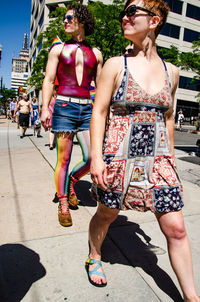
(84, 16)
(159, 8)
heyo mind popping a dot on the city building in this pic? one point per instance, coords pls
(19, 73)
(183, 27)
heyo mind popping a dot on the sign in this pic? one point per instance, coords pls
(21, 90)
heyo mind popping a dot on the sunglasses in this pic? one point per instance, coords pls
(68, 17)
(131, 10)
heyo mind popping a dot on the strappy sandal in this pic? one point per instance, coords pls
(88, 262)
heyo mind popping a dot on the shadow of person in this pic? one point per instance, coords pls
(83, 193)
(137, 252)
(19, 268)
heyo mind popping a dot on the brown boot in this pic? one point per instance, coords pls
(64, 216)
(72, 198)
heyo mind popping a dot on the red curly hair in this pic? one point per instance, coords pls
(159, 8)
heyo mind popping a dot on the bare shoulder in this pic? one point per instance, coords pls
(115, 63)
(98, 54)
(174, 69)
(56, 50)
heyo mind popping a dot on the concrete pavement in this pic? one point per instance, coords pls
(42, 261)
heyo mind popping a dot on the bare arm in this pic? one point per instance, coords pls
(99, 64)
(169, 119)
(98, 120)
(48, 83)
(16, 109)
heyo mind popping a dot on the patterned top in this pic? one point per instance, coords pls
(141, 170)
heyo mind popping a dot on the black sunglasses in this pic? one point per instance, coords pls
(131, 10)
(68, 17)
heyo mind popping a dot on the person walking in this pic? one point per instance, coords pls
(12, 109)
(132, 122)
(180, 120)
(25, 108)
(36, 111)
(76, 64)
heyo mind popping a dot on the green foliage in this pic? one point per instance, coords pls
(55, 28)
(185, 60)
(6, 94)
(107, 36)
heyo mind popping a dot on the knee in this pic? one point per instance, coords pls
(107, 215)
(175, 232)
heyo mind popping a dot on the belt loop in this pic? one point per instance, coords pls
(70, 99)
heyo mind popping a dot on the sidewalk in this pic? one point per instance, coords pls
(42, 261)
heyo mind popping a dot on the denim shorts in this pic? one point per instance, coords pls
(71, 117)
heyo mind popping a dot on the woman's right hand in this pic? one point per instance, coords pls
(45, 118)
(98, 172)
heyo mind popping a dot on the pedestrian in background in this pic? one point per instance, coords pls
(76, 64)
(132, 122)
(35, 110)
(24, 107)
(180, 120)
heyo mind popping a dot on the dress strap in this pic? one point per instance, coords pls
(167, 75)
(125, 62)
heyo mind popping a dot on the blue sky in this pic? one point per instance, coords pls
(14, 23)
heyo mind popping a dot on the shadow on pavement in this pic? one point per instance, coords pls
(83, 193)
(126, 237)
(19, 268)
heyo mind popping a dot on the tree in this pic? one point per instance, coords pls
(6, 94)
(185, 60)
(107, 36)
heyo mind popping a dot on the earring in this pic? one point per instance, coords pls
(149, 34)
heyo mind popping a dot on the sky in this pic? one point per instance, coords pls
(15, 18)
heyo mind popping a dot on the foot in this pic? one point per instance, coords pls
(64, 215)
(95, 272)
(72, 198)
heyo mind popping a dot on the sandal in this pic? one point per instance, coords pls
(88, 262)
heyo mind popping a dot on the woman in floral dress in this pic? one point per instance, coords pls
(132, 143)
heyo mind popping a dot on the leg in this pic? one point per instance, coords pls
(21, 131)
(51, 140)
(98, 228)
(82, 167)
(64, 148)
(172, 226)
(24, 129)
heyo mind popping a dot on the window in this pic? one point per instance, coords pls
(175, 6)
(35, 35)
(52, 9)
(32, 27)
(34, 56)
(193, 12)
(187, 83)
(171, 30)
(25, 76)
(41, 19)
(40, 46)
(36, 14)
(33, 9)
(190, 35)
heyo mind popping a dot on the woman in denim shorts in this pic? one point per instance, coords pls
(75, 64)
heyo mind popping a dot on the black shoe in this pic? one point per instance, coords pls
(21, 136)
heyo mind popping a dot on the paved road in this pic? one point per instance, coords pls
(42, 261)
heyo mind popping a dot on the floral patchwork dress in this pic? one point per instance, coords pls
(141, 170)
